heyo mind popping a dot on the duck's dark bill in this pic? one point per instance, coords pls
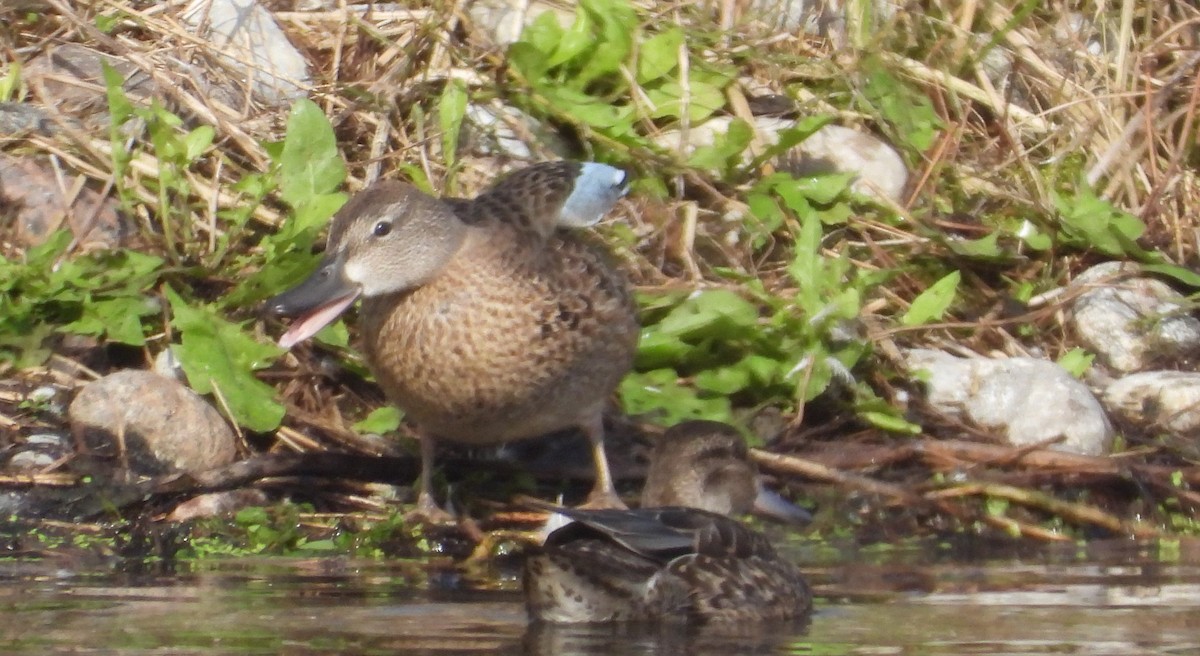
(316, 302)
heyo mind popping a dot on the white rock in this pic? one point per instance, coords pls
(880, 171)
(250, 41)
(1025, 401)
(1157, 400)
(1130, 322)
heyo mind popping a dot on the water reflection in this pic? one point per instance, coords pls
(1128, 601)
(549, 639)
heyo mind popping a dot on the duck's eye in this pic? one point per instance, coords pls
(383, 228)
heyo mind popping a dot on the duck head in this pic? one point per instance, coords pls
(706, 465)
(387, 239)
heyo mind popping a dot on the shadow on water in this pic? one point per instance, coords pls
(1123, 599)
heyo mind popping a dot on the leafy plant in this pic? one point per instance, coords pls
(1088, 221)
(576, 74)
(101, 295)
(701, 353)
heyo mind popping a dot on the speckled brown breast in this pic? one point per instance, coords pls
(515, 338)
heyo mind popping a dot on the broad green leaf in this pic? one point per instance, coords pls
(538, 40)
(218, 354)
(574, 41)
(658, 393)
(381, 420)
(1093, 222)
(659, 349)
(931, 304)
(703, 100)
(807, 265)
(299, 231)
(659, 55)
(310, 164)
(197, 141)
(716, 313)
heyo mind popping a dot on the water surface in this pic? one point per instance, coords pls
(1111, 598)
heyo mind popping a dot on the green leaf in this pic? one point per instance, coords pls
(1182, 274)
(452, 107)
(703, 100)
(658, 349)
(890, 422)
(1076, 361)
(197, 141)
(574, 41)
(1093, 222)
(538, 40)
(310, 164)
(659, 55)
(931, 304)
(914, 121)
(984, 248)
(218, 354)
(381, 420)
(725, 154)
(659, 393)
(716, 313)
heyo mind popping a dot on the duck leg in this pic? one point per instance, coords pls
(427, 509)
(603, 494)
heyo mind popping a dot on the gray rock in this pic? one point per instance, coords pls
(252, 43)
(1130, 322)
(1157, 401)
(1025, 401)
(166, 426)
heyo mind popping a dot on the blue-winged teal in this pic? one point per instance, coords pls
(671, 563)
(484, 320)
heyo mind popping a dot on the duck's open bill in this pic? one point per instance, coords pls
(316, 302)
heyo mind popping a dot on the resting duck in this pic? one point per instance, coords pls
(484, 320)
(684, 562)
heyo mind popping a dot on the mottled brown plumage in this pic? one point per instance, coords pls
(670, 563)
(485, 320)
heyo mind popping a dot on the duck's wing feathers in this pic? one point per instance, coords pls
(666, 533)
(638, 531)
(548, 195)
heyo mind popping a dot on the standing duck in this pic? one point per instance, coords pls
(688, 561)
(485, 320)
